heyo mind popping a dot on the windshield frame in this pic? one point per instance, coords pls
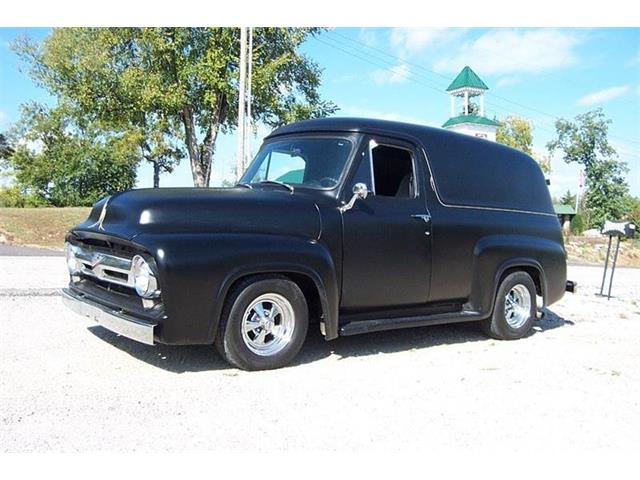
(353, 138)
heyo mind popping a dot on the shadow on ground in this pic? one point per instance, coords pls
(180, 359)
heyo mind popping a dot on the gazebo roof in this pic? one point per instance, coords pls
(563, 209)
(467, 78)
(477, 119)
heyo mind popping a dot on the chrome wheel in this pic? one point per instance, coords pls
(268, 324)
(517, 306)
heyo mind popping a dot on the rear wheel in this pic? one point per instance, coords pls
(514, 310)
(264, 323)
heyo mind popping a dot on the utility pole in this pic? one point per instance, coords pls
(248, 130)
(242, 103)
(244, 100)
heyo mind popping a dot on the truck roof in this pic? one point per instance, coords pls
(360, 125)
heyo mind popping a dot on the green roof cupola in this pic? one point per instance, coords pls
(467, 78)
(470, 119)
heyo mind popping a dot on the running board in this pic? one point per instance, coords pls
(381, 324)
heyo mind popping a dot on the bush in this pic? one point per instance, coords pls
(577, 224)
(13, 196)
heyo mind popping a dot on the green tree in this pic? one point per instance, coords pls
(584, 141)
(577, 224)
(185, 77)
(632, 209)
(516, 132)
(568, 199)
(62, 162)
(6, 150)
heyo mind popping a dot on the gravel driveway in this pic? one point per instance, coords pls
(69, 385)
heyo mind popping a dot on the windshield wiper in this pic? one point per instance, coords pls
(245, 185)
(276, 182)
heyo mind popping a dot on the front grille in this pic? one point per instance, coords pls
(105, 275)
(104, 265)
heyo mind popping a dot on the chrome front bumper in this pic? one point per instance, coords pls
(114, 320)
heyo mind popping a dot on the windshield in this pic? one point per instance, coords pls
(311, 162)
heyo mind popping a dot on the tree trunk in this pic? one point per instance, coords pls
(198, 169)
(201, 156)
(156, 174)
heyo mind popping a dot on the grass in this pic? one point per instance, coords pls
(43, 227)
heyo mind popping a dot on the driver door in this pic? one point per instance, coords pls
(387, 236)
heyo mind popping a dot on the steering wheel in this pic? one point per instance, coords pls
(328, 182)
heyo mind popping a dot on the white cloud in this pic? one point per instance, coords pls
(508, 51)
(3, 118)
(410, 41)
(602, 96)
(396, 74)
(507, 81)
(367, 36)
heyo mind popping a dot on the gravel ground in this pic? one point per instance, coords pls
(69, 385)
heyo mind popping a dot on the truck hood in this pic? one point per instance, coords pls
(204, 210)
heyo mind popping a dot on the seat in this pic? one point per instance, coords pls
(405, 189)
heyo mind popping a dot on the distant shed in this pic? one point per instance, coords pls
(565, 215)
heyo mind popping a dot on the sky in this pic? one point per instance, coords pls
(402, 74)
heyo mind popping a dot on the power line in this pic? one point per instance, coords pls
(411, 76)
(422, 68)
(414, 77)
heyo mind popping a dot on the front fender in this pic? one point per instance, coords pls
(197, 270)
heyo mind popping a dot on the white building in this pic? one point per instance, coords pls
(470, 118)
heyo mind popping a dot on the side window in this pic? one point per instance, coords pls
(393, 174)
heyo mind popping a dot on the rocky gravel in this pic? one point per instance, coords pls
(573, 384)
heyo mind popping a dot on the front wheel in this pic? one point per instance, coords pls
(514, 310)
(264, 323)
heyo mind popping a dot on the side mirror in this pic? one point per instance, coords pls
(360, 191)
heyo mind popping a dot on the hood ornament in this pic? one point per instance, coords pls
(103, 214)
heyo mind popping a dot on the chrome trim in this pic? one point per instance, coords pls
(103, 266)
(425, 217)
(268, 324)
(113, 320)
(103, 214)
(517, 306)
(360, 191)
(372, 144)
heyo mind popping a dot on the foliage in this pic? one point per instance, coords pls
(6, 150)
(568, 199)
(584, 141)
(62, 162)
(632, 210)
(544, 161)
(14, 196)
(577, 224)
(516, 132)
(177, 84)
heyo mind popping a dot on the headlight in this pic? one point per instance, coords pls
(144, 279)
(72, 262)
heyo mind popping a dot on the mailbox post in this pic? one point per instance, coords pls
(618, 230)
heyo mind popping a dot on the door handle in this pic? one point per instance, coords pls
(425, 217)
